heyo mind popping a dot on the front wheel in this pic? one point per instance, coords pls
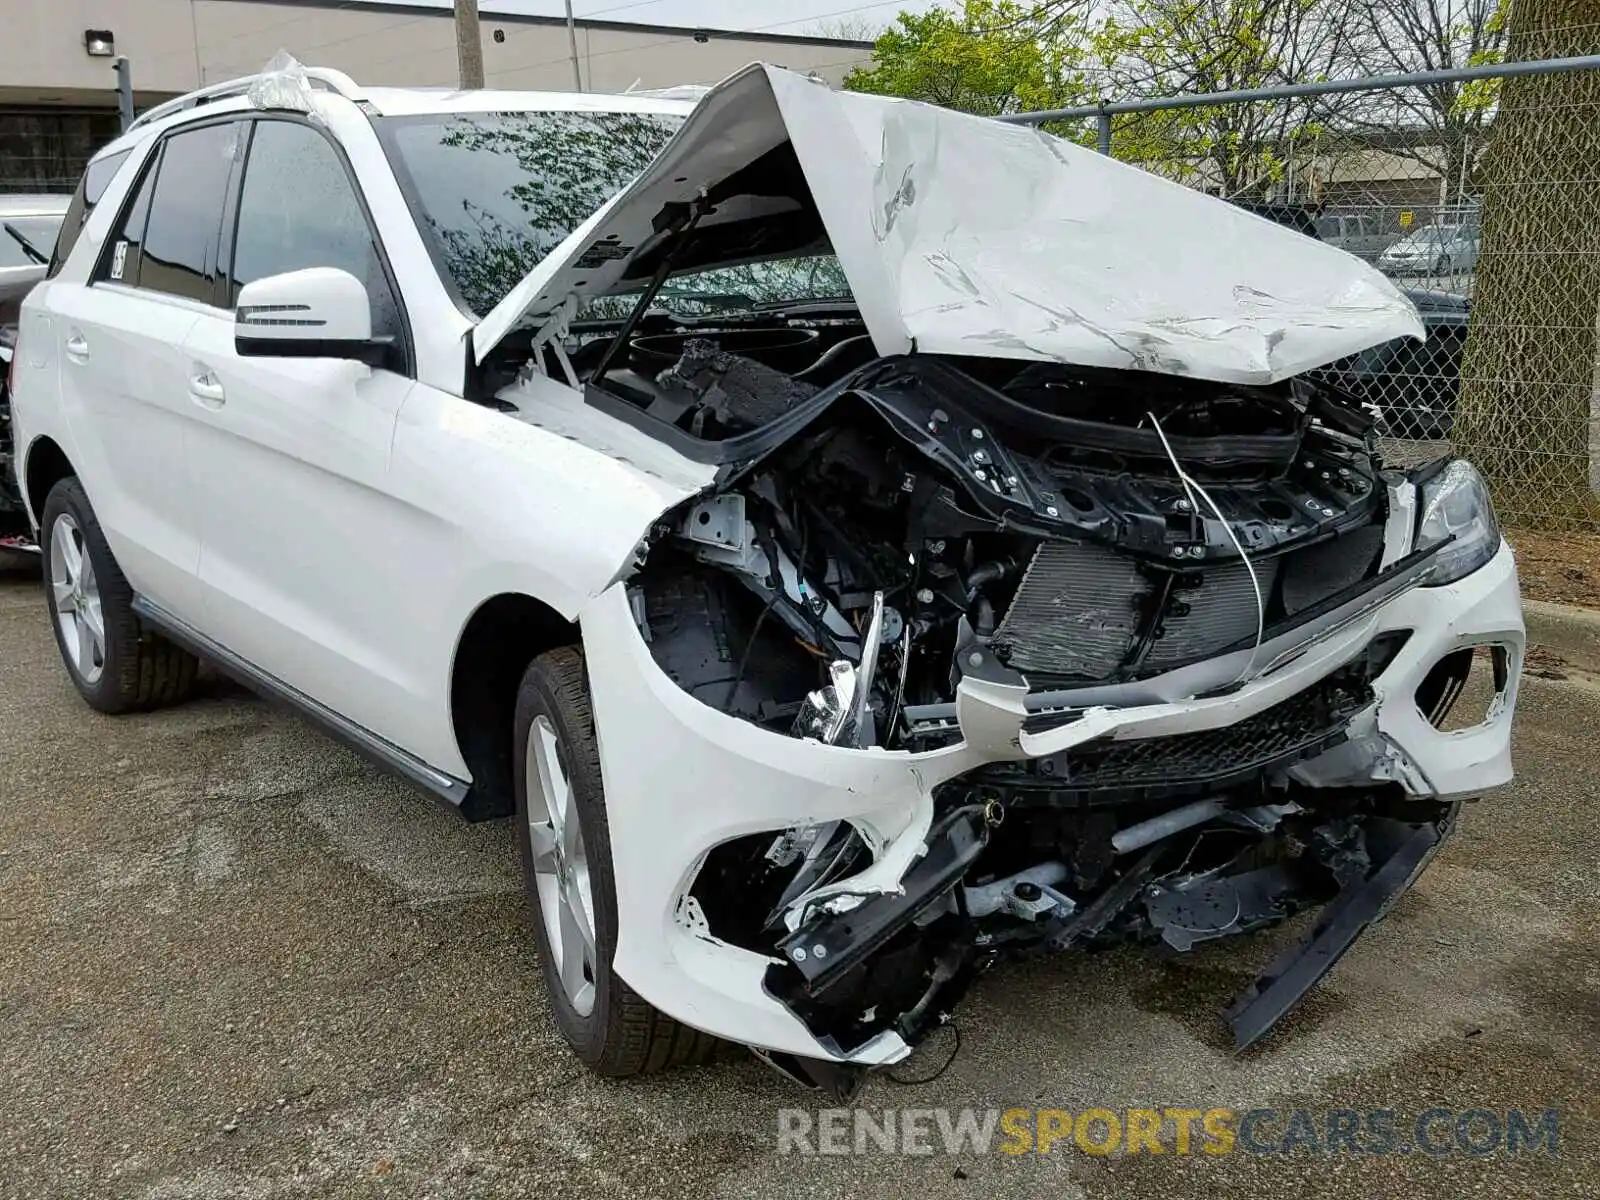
(565, 839)
(117, 663)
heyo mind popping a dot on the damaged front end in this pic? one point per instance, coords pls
(1038, 601)
(1118, 716)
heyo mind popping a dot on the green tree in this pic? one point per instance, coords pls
(991, 58)
(1446, 123)
(1155, 48)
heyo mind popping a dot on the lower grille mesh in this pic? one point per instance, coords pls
(1298, 726)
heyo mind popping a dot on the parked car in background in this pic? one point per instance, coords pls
(1433, 250)
(28, 228)
(1360, 234)
(1409, 386)
(845, 577)
(1412, 385)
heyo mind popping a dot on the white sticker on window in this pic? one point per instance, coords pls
(119, 256)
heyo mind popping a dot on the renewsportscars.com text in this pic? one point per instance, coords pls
(1474, 1132)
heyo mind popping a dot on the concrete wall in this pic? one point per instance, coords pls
(177, 45)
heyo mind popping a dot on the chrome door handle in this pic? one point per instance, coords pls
(77, 348)
(207, 388)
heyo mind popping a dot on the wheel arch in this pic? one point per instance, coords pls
(45, 465)
(504, 634)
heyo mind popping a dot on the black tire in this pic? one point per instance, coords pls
(141, 669)
(1444, 266)
(622, 1035)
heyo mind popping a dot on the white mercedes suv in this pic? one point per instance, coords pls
(858, 541)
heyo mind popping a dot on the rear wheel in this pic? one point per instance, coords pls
(565, 841)
(117, 663)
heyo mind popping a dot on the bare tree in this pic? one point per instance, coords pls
(852, 27)
(1444, 125)
(1164, 47)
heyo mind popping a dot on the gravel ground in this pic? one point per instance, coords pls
(237, 962)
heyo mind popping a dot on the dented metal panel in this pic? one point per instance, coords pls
(1059, 254)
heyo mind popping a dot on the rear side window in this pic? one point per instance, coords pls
(90, 188)
(127, 241)
(180, 238)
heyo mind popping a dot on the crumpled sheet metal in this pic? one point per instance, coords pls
(1004, 241)
(1007, 241)
(961, 235)
(284, 84)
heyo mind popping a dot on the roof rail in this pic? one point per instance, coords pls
(324, 77)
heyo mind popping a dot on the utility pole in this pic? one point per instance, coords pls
(572, 41)
(124, 91)
(469, 44)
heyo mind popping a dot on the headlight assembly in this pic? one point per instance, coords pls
(1455, 502)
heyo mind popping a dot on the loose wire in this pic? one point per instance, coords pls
(954, 1050)
(1191, 486)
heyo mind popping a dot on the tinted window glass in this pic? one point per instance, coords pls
(298, 208)
(186, 212)
(744, 287)
(39, 232)
(495, 192)
(90, 188)
(122, 264)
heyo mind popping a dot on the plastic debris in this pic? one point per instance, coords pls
(283, 83)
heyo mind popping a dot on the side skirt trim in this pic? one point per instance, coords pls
(448, 788)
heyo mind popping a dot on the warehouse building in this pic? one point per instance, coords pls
(58, 97)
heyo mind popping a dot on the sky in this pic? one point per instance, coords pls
(775, 16)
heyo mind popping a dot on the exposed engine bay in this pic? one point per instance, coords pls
(1031, 527)
(1027, 593)
(922, 520)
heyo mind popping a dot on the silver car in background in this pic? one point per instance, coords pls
(1361, 234)
(1433, 250)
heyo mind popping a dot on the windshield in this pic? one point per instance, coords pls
(746, 287)
(40, 233)
(493, 193)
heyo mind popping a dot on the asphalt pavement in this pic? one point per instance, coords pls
(237, 962)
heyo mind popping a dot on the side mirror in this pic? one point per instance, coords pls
(320, 312)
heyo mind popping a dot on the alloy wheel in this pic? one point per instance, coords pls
(560, 866)
(76, 593)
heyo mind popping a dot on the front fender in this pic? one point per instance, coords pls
(549, 515)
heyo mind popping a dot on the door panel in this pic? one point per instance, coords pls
(124, 378)
(124, 397)
(304, 547)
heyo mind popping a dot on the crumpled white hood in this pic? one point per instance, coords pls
(962, 235)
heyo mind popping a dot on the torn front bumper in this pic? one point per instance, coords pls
(682, 778)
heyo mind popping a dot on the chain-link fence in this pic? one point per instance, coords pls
(1478, 193)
